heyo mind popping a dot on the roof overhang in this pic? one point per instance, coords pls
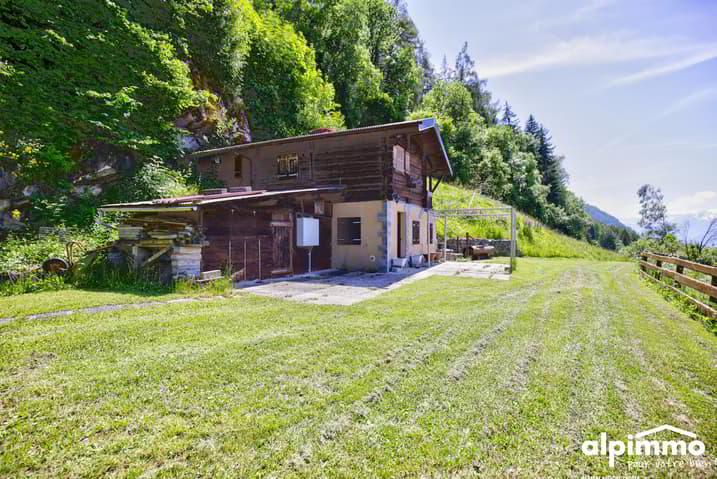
(443, 166)
(144, 209)
(192, 203)
(427, 128)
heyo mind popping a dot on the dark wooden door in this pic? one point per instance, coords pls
(281, 233)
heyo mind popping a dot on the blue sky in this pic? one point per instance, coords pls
(628, 89)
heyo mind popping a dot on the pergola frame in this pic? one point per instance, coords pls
(495, 212)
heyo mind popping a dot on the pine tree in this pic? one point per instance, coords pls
(465, 67)
(532, 126)
(552, 173)
(428, 74)
(465, 72)
(509, 118)
(446, 72)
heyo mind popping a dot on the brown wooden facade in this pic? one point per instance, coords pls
(380, 174)
(256, 240)
(361, 160)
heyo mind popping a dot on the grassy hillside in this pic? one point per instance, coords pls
(534, 239)
(442, 377)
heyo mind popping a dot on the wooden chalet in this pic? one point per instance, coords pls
(355, 199)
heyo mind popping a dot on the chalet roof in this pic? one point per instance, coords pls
(427, 125)
(191, 203)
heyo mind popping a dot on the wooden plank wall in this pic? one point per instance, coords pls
(249, 236)
(363, 163)
(249, 233)
(410, 186)
(357, 167)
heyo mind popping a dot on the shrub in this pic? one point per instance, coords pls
(21, 255)
(31, 283)
(109, 269)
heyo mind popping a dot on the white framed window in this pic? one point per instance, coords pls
(401, 159)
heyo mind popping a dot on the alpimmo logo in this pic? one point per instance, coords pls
(641, 444)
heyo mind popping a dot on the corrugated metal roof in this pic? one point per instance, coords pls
(310, 136)
(201, 200)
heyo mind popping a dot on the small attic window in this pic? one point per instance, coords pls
(287, 166)
(401, 159)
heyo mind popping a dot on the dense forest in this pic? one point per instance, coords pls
(102, 99)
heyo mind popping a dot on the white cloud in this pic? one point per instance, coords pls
(699, 203)
(586, 50)
(687, 101)
(703, 54)
(587, 11)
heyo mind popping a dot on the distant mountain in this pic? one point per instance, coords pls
(602, 217)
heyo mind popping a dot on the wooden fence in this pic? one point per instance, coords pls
(681, 280)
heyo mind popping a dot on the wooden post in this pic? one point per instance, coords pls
(445, 236)
(513, 249)
(713, 300)
(680, 269)
(658, 263)
(643, 258)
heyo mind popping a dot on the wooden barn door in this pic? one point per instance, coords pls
(282, 251)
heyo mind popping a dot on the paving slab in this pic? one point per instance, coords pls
(351, 288)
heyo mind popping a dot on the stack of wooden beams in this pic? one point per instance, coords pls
(186, 260)
(156, 231)
(127, 232)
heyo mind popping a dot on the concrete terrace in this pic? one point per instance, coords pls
(351, 288)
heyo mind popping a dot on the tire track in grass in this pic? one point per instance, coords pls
(443, 400)
(360, 409)
(507, 412)
(598, 392)
(643, 383)
(393, 365)
(272, 448)
(462, 364)
(676, 328)
(367, 406)
(526, 428)
(673, 334)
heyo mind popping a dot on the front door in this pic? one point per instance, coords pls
(281, 254)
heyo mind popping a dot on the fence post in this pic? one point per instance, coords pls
(658, 263)
(681, 270)
(513, 248)
(713, 300)
(445, 236)
(643, 257)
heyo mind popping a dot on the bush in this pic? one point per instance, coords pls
(109, 269)
(152, 180)
(31, 283)
(21, 255)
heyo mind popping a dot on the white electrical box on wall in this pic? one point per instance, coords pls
(307, 232)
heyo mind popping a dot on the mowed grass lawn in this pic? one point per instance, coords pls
(445, 377)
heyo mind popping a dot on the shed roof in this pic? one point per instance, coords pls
(427, 125)
(190, 203)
